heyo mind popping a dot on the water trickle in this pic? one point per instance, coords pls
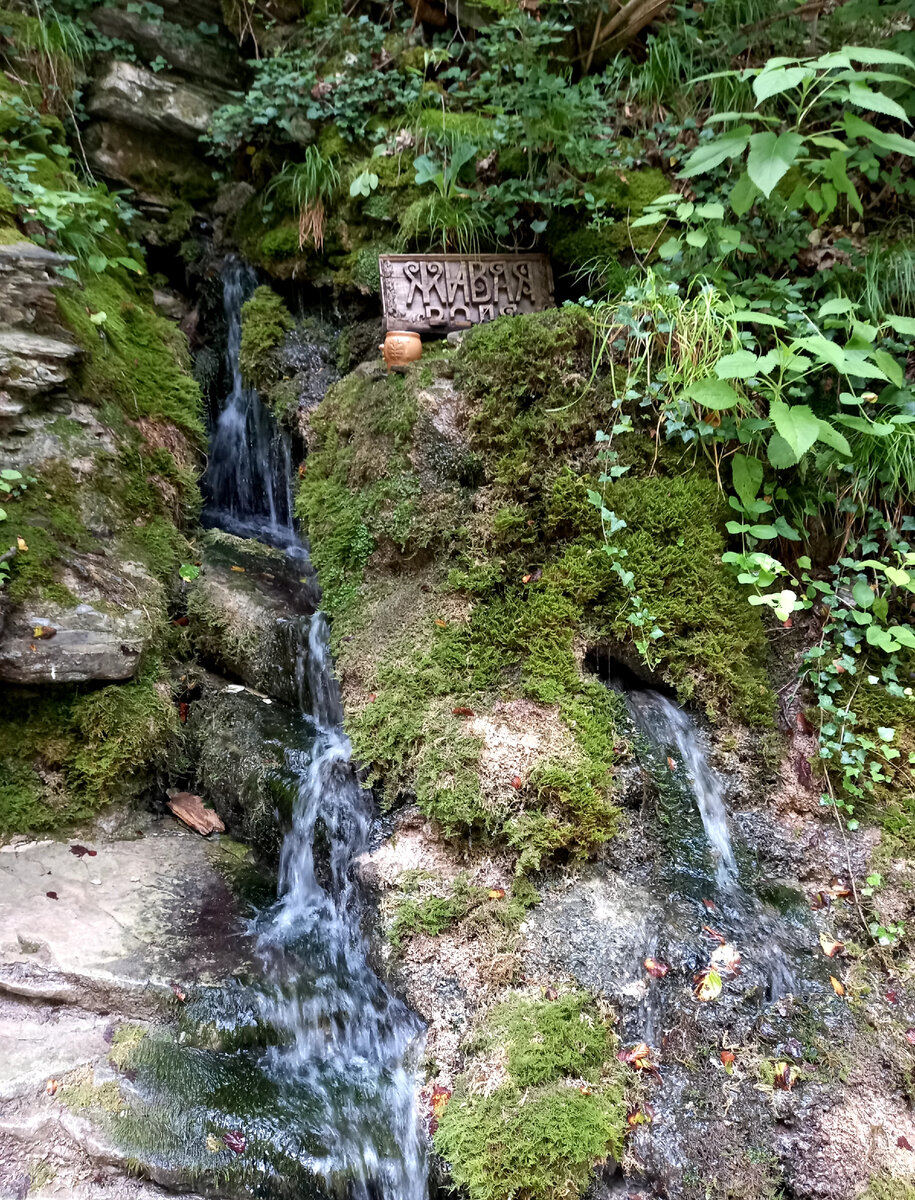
(248, 477)
(668, 727)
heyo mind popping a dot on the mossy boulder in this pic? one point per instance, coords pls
(557, 1113)
(465, 566)
(265, 321)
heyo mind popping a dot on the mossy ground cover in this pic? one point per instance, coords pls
(66, 753)
(560, 1110)
(520, 581)
(265, 321)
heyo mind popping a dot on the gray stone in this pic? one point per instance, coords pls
(131, 95)
(33, 363)
(43, 642)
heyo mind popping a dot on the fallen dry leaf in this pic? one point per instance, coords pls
(830, 946)
(727, 1057)
(839, 888)
(462, 712)
(235, 1141)
(241, 570)
(639, 1058)
(903, 1143)
(641, 1116)
(441, 624)
(909, 1033)
(671, 765)
(516, 781)
(213, 1143)
(820, 900)
(709, 904)
(82, 851)
(179, 994)
(44, 631)
(785, 1076)
(497, 893)
(713, 933)
(550, 993)
(837, 987)
(51, 895)
(655, 968)
(708, 985)
(51, 1087)
(20, 544)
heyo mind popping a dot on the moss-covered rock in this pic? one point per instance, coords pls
(558, 1113)
(265, 321)
(476, 489)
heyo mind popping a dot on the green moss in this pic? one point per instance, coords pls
(265, 321)
(124, 1044)
(279, 243)
(159, 545)
(466, 126)
(134, 359)
(47, 519)
(434, 914)
(893, 800)
(886, 1187)
(561, 1112)
(65, 755)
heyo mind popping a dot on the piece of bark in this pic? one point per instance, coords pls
(189, 808)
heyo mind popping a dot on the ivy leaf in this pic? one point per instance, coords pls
(713, 394)
(796, 424)
(770, 157)
(863, 594)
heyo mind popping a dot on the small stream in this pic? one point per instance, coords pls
(341, 1040)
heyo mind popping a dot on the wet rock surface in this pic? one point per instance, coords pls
(98, 936)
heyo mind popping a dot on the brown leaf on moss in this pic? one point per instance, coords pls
(461, 711)
(785, 1076)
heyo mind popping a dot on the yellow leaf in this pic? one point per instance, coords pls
(837, 987)
(708, 985)
(20, 544)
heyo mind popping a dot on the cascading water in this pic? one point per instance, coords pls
(348, 1041)
(666, 725)
(248, 479)
(345, 1044)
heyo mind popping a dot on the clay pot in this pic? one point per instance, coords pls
(400, 348)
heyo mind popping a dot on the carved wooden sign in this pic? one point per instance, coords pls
(438, 292)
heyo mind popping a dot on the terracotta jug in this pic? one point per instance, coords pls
(400, 348)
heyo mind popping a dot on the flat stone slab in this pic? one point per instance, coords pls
(136, 912)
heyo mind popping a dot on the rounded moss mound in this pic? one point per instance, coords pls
(560, 1111)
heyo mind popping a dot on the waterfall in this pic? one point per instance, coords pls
(346, 1044)
(248, 478)
(667, 726)
(347, 1041)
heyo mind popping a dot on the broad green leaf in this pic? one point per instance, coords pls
(779, 453)
(905, 635)
(872, 101)
(713, 211)
(743, 193)
(863, 594)
(713, 394)
(747, 474)
(739, 365)
(10, 473)
(890, 367)
(872, 56)
(825, 350)
(862, 425)
(863, 334)
(765, 533)
(876, 635)
(760, 318)
(771, 83)
(835, 308)
(697, 238)
(785, 530)
(797, 424)
(654, 218)
(189, 571)
(97, 263)
(99, 318)
(669, 248)
(904, 325)
(770, 157)
(713, 154)
(893, 142)
(830, 436)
